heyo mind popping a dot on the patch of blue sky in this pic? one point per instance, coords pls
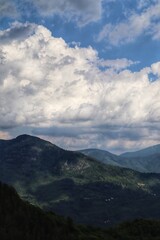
(5, 22)
(142, 49)
(152, 77)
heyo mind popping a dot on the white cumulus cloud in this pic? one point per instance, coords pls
(117, 64)
(48, 86)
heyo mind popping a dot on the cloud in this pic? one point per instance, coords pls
(8, 9)
(117, 64)
(54, 131)
(60, 91)
(141, 4)
(156, 69)
(38, 71)
(155, 31)
(137, 24)
(17, 31)
(84, 11)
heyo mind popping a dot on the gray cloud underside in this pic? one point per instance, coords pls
(112, 133)
(17, 31)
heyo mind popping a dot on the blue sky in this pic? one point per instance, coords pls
(81, 73)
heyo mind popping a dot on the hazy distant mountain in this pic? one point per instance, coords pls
(72, 184)
(103, 156)
(145, 160)
(144, 152)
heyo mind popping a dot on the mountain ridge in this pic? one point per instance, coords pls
(145, 160)
(151, 150)
(102, 155)
(72, 184)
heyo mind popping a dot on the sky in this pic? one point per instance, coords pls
(81, 73)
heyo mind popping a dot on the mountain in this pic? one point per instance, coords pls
(145, 160)
(72, 184)
(144, 152)
(102, 156)
(21, 220)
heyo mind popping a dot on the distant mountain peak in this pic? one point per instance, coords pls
(95, 150)
(24, 137)
(143, 152)
(102, 156)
